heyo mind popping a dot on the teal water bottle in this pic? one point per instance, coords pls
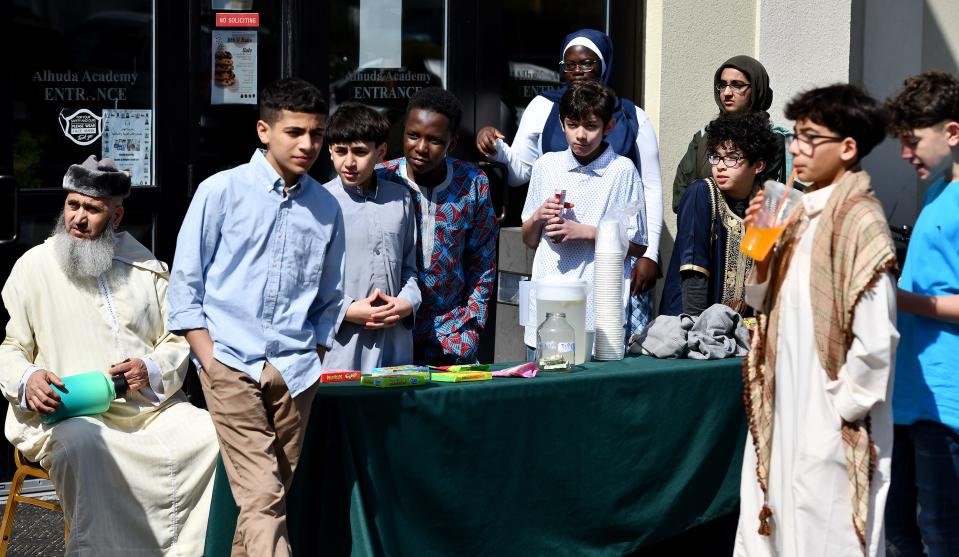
(86, 394)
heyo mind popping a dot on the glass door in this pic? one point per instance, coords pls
(79, 82)
(120, 79)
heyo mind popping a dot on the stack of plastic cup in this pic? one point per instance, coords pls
(608, 285)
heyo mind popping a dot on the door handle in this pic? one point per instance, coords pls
(9, 185)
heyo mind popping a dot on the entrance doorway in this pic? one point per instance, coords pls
(135, 79)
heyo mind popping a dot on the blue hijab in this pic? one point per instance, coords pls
(623, 137)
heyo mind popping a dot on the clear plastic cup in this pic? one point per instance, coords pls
(768, 224)
(590, 341)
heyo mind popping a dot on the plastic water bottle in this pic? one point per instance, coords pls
(555, 343)
(86, 394)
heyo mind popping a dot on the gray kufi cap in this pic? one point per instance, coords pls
(97, 178)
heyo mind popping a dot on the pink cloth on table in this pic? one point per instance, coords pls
(526, 370)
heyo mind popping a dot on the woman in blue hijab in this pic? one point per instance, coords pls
(588, 54)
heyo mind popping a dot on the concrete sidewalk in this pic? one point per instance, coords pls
(37, 532)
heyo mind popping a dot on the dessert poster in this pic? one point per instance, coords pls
(127, 139)
(234, 67)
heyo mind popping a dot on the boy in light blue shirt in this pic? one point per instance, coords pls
(255, 287)
(925, 473)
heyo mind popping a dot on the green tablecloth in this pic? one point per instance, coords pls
(600, 461)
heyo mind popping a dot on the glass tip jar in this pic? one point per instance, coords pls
(555, 343)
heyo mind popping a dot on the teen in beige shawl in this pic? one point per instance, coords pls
(818, 382)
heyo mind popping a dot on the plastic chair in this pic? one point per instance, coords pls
(25, 469)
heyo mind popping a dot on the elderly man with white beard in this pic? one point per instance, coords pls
(137, 479)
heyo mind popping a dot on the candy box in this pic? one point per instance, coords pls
(393, 380)
(339, 375)
(462, 367)
(419, 371)
(460, 376)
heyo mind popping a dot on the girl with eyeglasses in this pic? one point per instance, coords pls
(587, 54)
(740, 84)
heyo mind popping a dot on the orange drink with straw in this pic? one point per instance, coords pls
(759, 241)
(769, 222)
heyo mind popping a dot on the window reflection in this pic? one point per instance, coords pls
(535, 30)
(74, 60)
(379, 63)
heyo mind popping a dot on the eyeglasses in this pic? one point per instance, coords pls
(729, 161)
(806, 144)
(736, 86)
(582, 65)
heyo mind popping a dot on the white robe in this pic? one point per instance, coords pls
(137, 479)
(809, 491)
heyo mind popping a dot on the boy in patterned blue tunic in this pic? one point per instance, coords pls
(456, 231)
(596, 180)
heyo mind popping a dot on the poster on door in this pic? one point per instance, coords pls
(234, 67)
(127, 139)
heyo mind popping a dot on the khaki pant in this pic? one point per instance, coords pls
(260, 428)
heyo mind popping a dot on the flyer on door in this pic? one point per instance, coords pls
(234, 67)
(128, 140)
